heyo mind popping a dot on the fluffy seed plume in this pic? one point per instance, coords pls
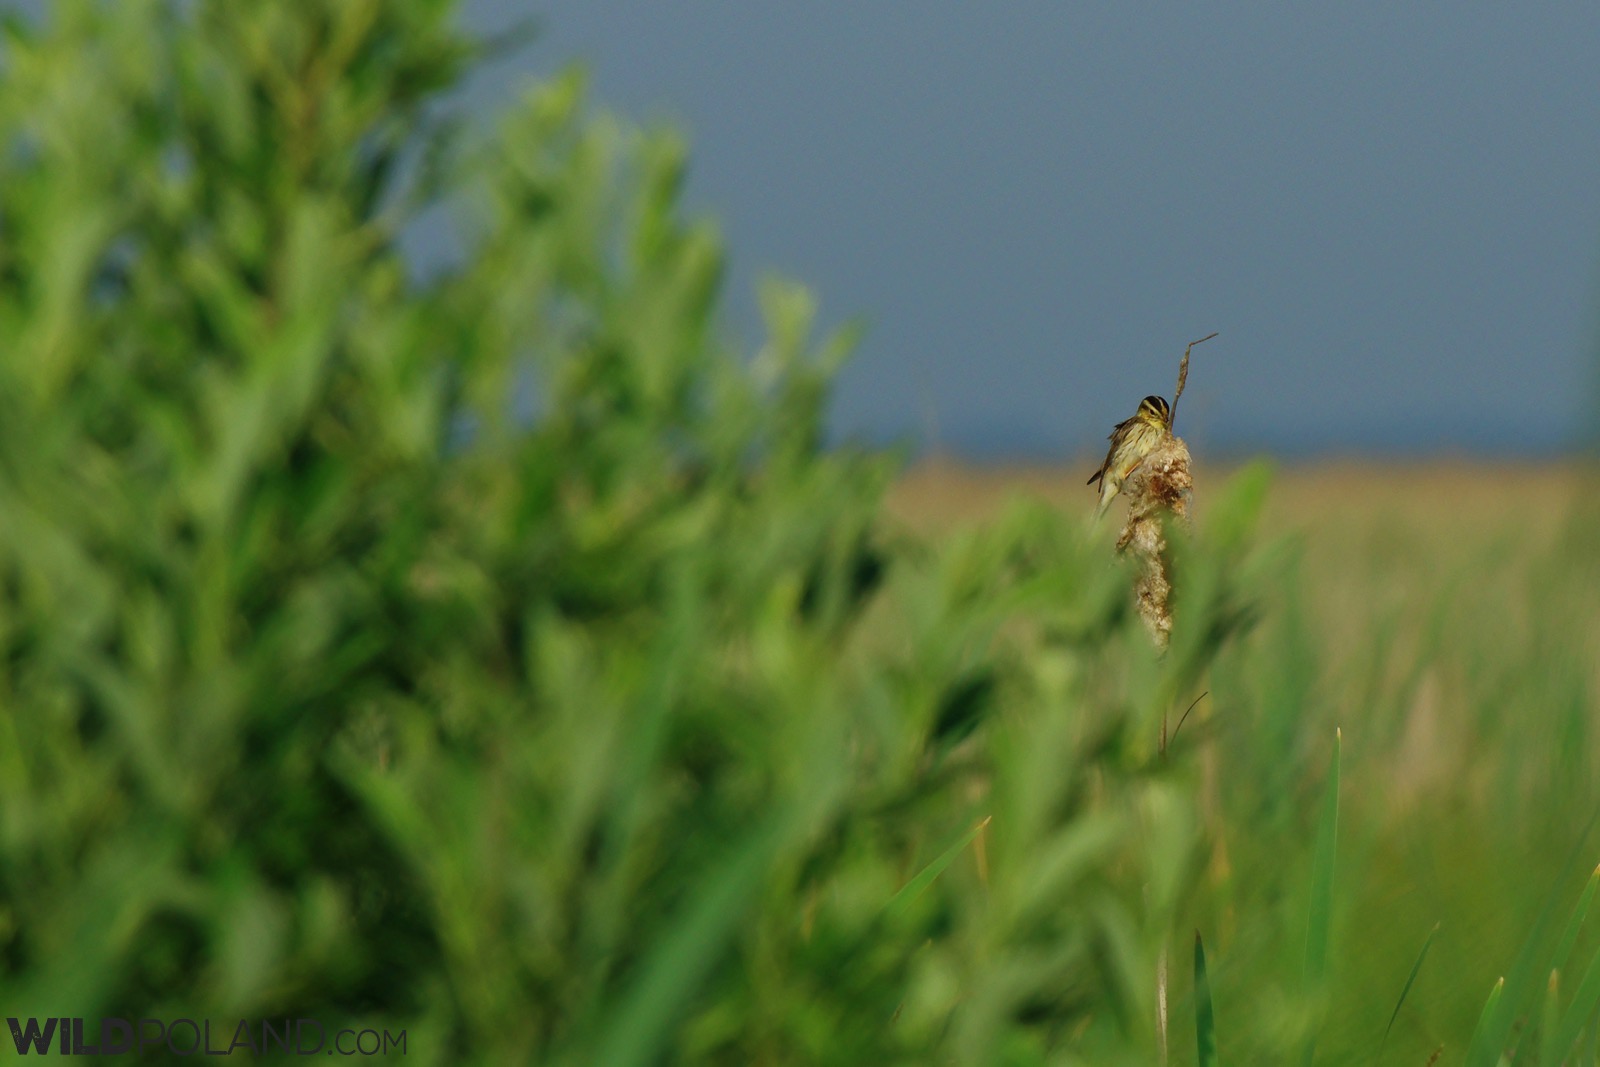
(1160, 486)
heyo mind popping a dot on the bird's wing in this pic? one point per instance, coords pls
(1112, 437)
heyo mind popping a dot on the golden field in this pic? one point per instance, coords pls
(1373, 536)
(1333, 495)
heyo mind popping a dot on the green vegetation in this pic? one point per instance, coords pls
(1459, 659)
(496, 654)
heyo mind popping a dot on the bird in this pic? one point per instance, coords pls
(1131, 441)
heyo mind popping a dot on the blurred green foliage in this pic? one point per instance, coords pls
(496, 654)
(1459, 659)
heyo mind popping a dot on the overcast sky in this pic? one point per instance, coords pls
(1390, 211)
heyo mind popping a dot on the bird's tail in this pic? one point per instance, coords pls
(1107, 492)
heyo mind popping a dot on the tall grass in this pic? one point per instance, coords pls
(1468, 793)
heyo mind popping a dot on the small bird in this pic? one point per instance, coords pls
(1131, 441)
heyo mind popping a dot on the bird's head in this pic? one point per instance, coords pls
(1155, 409)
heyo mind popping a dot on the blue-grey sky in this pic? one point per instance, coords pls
(1390, 211)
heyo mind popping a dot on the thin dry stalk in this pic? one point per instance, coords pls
(1161, 1004)
(980, 851)
(1160, 486)
(1183, 374)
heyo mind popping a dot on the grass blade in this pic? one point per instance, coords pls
(1483, 1049)
(1522, 981)
(1411, 978)
(1319, 921)
(924, 878)
(1561, 1032)
(1205, 1023)
(1569, 936)
(1550, 1048)
(1584, 1002)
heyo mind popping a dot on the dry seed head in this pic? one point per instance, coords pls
(1160, 485)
